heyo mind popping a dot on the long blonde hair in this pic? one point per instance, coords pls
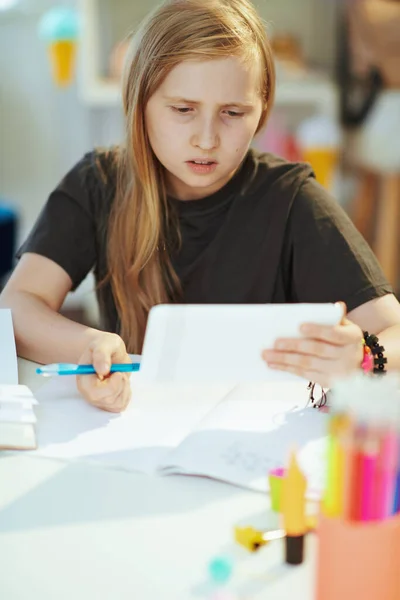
(140, 270)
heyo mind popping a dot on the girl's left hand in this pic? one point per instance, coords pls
(321, 355)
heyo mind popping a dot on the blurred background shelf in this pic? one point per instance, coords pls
(311, 23)
(311, 90)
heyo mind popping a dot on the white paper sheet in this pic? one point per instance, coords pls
(157, 419)
(232, 434)
(253, 431)
(19, 395)
(8, 353)
(16, 415)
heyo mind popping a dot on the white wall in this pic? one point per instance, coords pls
(43, 130)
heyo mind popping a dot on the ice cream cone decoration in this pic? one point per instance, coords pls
(59, 29)
(319, 141)
(62, 58)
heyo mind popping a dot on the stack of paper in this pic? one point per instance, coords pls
(17, 418)
(8, 353)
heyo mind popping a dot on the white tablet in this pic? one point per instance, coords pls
(222, 342)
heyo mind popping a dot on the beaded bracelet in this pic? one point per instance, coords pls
(377, 350)
(367, 364)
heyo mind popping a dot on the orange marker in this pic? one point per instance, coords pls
(293, 508)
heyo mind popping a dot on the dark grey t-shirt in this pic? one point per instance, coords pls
(271, 234)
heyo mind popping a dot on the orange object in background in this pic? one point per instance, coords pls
(59, 29)
(324, 161)
(63, 57)
(358, 561)
(319, 141)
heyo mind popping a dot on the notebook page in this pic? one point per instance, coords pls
(252, 431)
(8, 353)
(158, 418)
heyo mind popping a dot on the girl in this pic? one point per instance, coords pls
(185, 211)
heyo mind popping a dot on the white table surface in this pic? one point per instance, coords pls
(73, 531)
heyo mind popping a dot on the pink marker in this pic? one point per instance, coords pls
(369, 461)
(388, 474)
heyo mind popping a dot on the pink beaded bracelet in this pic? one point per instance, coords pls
(367, 363)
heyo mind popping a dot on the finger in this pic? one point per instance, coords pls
(116, 401)
(95, 390)
(109, 387)
(304, 362)
(85, 383)
(91, 385)
(126, 396)
(120, 402)
(110, 403)
(344, 309)
(110, 349)
(121, 399)
(101, 363)
(311, 375)
(337, 335)
(308, 346)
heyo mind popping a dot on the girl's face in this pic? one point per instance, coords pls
(201, 122)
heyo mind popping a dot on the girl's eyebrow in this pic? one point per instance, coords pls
(186, 101)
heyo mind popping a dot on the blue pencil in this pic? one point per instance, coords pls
(72, 369)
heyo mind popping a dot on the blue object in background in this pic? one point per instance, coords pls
(8, 237)
(59, 23)
(220, 569)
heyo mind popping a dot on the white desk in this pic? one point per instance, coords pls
(81, 532)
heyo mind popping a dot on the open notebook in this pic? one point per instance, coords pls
(235, 434)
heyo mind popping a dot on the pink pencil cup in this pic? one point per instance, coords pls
(358, 561)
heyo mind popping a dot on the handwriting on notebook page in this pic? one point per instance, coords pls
(239, 456)
(247, 462)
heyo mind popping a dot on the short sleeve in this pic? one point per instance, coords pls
(65, 230)
(329, 259)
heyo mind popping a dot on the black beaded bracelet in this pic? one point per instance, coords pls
(377, 350)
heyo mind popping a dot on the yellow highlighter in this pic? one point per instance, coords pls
(252, 539)
(293, 508)
(339, 429)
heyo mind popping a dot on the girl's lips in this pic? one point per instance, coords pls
(202, 169)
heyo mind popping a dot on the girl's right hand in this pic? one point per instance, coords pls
(108, 392)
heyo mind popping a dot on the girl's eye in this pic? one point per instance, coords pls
(184, 110)
(232, 113)
(181, 110)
